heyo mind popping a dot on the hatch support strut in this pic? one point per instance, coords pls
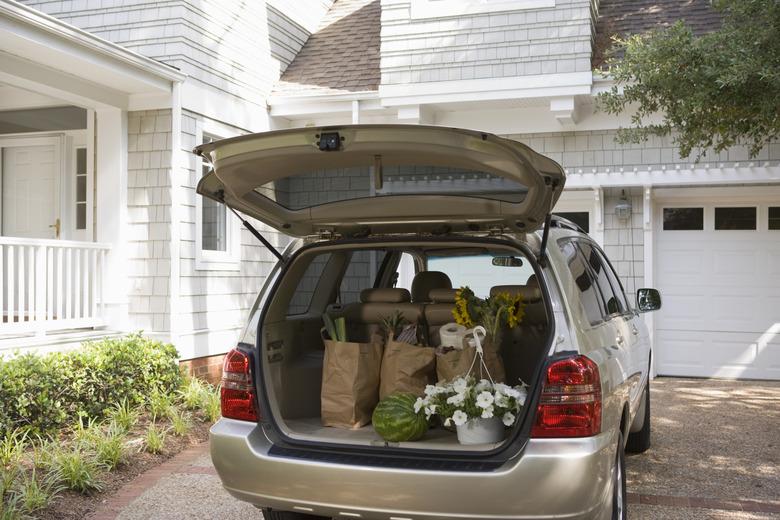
(546, 231)
(257, 234)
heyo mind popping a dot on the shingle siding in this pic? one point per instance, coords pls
(489, 45)
(149, 218)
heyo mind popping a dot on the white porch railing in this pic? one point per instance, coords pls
(50, 284)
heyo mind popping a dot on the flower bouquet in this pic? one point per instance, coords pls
(480, 410)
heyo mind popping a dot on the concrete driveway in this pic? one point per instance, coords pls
(715, 455)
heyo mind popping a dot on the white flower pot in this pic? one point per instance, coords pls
(481, 431)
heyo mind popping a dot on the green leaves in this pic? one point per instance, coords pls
(712, 91)
(43, 393)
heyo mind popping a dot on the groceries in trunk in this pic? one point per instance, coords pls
(402, 383)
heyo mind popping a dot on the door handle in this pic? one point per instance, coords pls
(57, 225)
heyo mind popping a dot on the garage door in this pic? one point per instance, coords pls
(718, 270)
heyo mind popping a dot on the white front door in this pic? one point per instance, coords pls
(30, 186)
(718, 271)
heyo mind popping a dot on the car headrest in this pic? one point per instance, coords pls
(425, 281)
(442, 295)
(530, 293)
(385, 295)
(532, 281)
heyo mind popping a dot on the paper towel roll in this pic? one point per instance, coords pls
(452, 335)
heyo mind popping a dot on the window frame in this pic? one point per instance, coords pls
(629, 311)
(207, 259)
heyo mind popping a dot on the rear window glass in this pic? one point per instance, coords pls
(479, 273)
(583, 278)
(301, 300)
(335, 185)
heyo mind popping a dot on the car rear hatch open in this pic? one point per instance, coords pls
(361, 180)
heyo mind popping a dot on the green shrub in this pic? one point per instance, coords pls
(123, 416)
(194, 394)
(181, 422)
(42, 393)
(159, 405)
(154, 441)
(35, 492)
(213, 408)
(78, 469)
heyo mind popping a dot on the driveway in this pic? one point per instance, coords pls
(715, 455)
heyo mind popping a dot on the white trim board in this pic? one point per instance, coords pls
(434, 8)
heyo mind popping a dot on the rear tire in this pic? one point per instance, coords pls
(639, 442)
(619, 502)
(270, 514)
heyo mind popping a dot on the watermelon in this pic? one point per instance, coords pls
(395, 420)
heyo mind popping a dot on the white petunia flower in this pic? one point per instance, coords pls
(511, 392)
(523, 395)
(483, 385)
(502, 400)
(508, 419)
(456, 399)
(429, 411)
(459, 418)
(418, 404)
(447, 422)
(459, 385)
(485, 399)
(487, 413)
(430, 390)
(500, 387)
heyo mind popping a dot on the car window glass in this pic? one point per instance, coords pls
(614, 300)
(360, 274)
(479, 273)
(304, 292)
(614, 280)
(589, 298)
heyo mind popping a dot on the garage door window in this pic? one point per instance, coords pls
(581, 218)
(683, 219)
(774, 218)
(735, 218)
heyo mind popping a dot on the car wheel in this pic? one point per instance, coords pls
(270, 514)
(639, 441)
(619, 511)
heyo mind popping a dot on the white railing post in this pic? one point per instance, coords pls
(41, 283)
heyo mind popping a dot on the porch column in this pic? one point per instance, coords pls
(111, 211)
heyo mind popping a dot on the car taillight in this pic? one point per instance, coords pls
(237, 395)
(570, 405)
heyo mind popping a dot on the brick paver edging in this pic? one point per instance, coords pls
(754, 506)
(180, 463)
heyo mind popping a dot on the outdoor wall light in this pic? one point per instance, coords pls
(623, 208)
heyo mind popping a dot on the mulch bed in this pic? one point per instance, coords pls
(71, 505)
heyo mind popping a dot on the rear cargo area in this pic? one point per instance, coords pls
(365, 286)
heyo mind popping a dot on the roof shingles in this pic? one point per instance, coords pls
(627, 17)
(341, 56)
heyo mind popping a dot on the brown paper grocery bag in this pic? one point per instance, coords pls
(406, 368)
(350, 383)
(456, 363)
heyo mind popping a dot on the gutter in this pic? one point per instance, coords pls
(23, 14)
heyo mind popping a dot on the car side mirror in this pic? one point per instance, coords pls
(648, 300)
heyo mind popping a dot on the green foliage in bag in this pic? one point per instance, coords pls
(42, 393)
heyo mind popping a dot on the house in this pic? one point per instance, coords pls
(101, 101)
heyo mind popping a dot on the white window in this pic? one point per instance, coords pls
(442, 8)
(217, 231)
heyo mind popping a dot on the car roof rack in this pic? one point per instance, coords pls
(564, 223)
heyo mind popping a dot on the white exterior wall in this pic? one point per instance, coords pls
(213, 304)
(511, 43)
(149, 220)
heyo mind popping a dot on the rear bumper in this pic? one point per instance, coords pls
(551, 479)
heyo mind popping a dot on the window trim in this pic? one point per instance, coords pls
(206, 259)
